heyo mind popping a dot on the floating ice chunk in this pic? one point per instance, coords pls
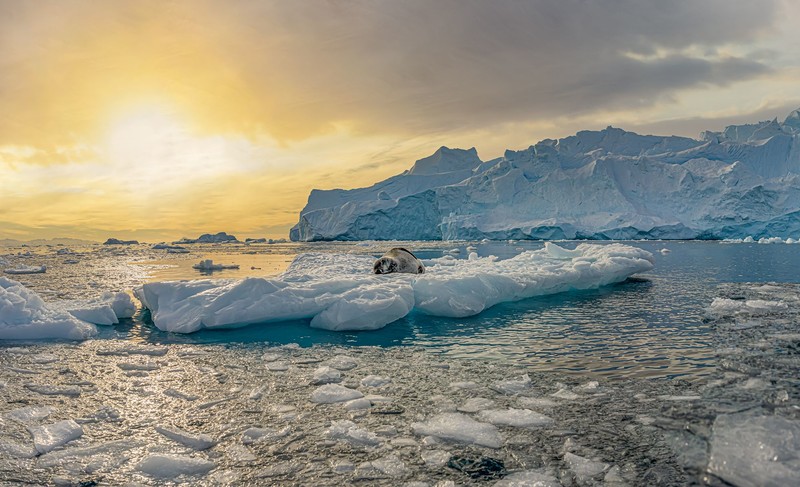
(760, 450)
(721, 307)
(171, 466)
(522, 418)
(536, 402)
(257, 393)
(30, 414)
(351, 433)
(461, 429)
(389, 466)
(108, 309)
(375, 381)
(467, 385)
(214, 402)
(44, 358)
(15, 450)
(592, 385)
(331, 393)
(101, 453)
(338, 292)
(342, 362)
(513, 386)
(277, 366)
(326, 375)
(528, 478)
(358, 404)
(276, 470)
(199, 441)
(584, 468)
(209, 265)
(148, 366)
(665, 251)
(475, 404)
(45, 390)
(50, 436)
(240, 454)
(26, 269)
(343, 466)
(271, 357)
(566, 395)
(25, 316)
(180, 395)
(473, 256)
(264, 435)
(435, 458)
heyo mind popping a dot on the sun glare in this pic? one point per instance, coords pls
(145, 135)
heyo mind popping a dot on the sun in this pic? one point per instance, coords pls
(146, 135)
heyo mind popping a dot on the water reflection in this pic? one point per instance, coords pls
(649, 326)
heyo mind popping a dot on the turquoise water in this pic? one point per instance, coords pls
(649, 326)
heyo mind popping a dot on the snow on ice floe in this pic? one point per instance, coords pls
(460, 428)
(339, 291)
(721, 307)
(756, 450)
(25, 316)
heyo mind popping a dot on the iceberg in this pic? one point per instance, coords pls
(209, 265)
(25, 316)
(609, 184)
(339, 291)
(220, 237)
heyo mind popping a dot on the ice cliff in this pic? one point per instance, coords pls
(608, 184)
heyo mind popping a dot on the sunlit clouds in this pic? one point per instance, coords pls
(164, 119)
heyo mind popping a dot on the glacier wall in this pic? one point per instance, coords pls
(608, 184)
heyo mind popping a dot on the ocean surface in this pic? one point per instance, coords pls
(649, 326)
(631, 384)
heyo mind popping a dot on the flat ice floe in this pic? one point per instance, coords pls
(339, 292)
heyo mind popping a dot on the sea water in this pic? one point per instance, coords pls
(648, 326)
(634, 384)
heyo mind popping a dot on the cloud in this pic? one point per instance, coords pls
(299, 69)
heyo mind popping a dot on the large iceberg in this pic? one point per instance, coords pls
(339, 291)
(608, 184)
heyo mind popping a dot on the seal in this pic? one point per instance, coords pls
(398, 260)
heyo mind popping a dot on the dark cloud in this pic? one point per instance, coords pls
(295, 69)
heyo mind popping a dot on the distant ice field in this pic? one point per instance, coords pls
(649, 326)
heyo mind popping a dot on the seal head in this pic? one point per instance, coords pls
(398, 260)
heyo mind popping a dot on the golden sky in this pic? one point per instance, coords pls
(161, 119)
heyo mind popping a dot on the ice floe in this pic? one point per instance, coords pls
(332, 393)
(50, 436)
(326, 375)
(171, 466)
(25, 316)
(339, 292)
(755, 450)
(351, 433)
(27, 269)
(460, 428)
(523, 418)
(197, 441)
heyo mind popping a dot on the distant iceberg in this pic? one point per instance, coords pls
(339, 292)
(607, 184)
(27, 269)
(220, 237)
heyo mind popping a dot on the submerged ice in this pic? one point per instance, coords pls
(339, 292)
